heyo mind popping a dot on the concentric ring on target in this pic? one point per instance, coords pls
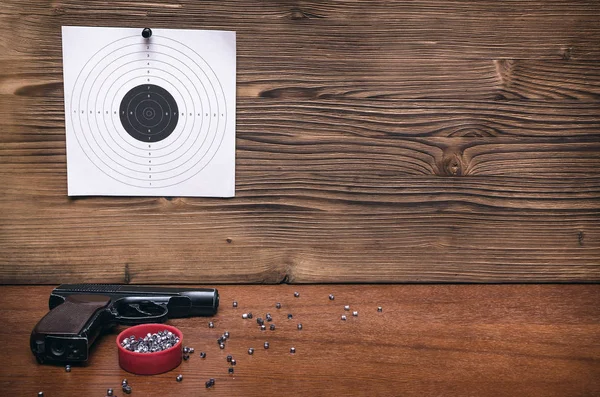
(148, 114)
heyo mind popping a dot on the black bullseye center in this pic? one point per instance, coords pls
(149, 113)
(146, 114)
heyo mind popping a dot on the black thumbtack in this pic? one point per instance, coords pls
(146, 33)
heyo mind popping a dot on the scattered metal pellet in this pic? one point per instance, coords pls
(41, 394)
(179, 378)
(186, 357)
(226, 334)
(109, 392)
(278, 305)
(249, 315)
(233, 362)
(67, 368)
(124, 382)
(272, 327)
(251, 351)
(222, 346)
(229, 358)
(186, 350)
(260, 321)
(290, 316)
(263, 327)
(380, 309)
(127, 389)
(231, 370)
(235, 304)
(296, 294)
(344, 317)
(268, 317)
(211, 324)
(299, 326)
(190, 349)
(245, 315)
(208, 384)
(202, 355)
(331, 297)
(347, 307)
(355, 313)
(292, 350)
(266, 345)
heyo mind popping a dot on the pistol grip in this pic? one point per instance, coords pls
(63, 334)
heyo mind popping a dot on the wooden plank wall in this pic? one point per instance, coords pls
(377, 141)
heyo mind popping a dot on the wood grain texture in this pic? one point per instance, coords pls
(547, 29)
(420, 141)
(493, 340)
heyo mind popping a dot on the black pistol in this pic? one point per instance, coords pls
(80, 312)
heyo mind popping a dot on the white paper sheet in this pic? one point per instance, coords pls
(149, 117)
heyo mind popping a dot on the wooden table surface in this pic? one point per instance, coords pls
(442, 340)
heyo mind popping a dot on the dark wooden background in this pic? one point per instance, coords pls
(408, 141)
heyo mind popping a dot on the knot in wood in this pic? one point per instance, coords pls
(505, 71)
(453, 163)
(296, 13)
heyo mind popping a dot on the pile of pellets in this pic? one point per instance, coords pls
(151, 343)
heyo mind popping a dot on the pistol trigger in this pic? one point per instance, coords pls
(137, 308)
(142, 312)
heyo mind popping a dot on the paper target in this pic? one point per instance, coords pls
(150, 116)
